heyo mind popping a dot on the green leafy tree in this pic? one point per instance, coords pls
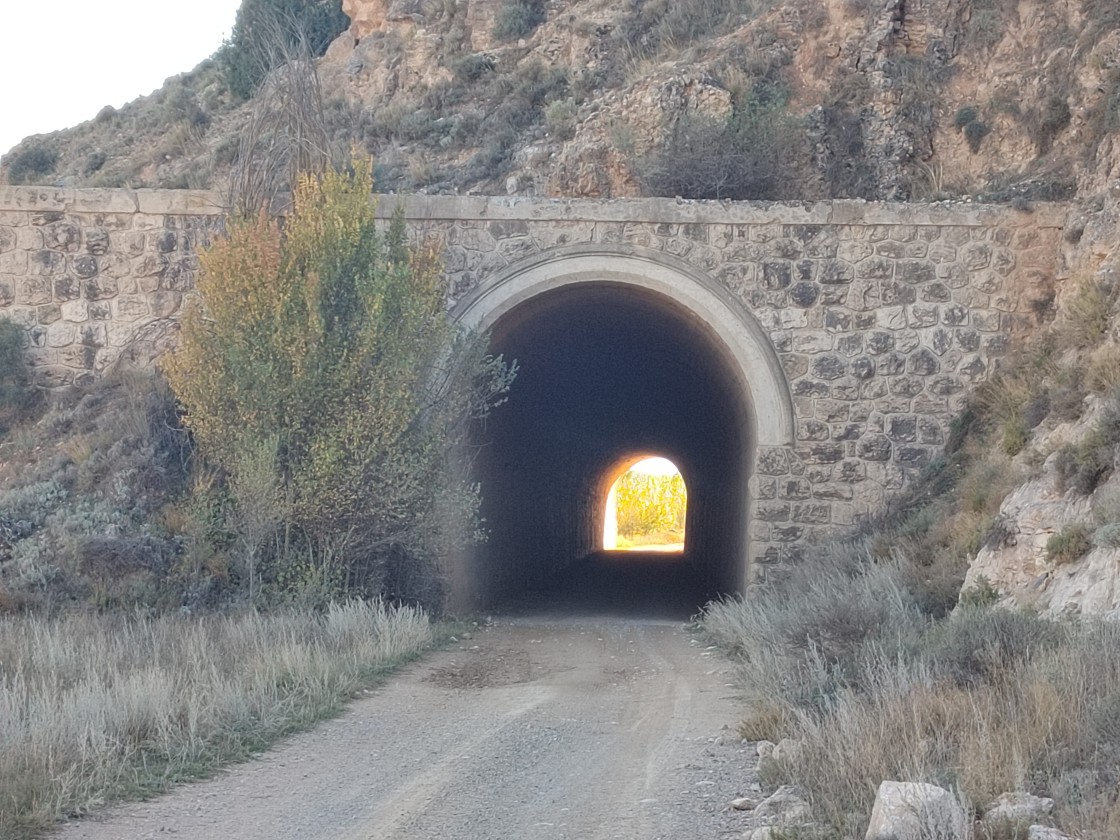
(17, 397)
(266, 31)
(650, 504)
(323, 376)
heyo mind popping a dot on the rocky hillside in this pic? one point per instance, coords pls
(799, 99)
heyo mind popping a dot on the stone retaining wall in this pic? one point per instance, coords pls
(97, 275)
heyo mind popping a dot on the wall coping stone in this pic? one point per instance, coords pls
(682, 211)
(60, 200)
(501, 208)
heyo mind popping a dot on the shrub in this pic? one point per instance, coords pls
(980, 594)
(518, 18)
(1108, 536)
(1052, 118)
(471, 68)
(560, 117)
(1015, 435)
(965, 114)
(753, 154)
(655, 25)
(977, 645)
(648, 504)
(32, 163)
(1086, 314)
(1083, 466)
(325, 379)
(1068, 544)
(974, 133)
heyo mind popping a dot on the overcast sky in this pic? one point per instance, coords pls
(62, 61)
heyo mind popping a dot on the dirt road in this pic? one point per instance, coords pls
(532, 728)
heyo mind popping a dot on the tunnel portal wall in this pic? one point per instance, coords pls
(869, 322)
(855, 329)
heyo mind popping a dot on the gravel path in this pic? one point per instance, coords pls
(534, 728)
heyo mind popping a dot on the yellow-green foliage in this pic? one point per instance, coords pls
(323, 374)
(649, 504)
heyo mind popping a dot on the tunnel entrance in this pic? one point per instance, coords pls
(621, 352)
(607, 371)
(645, 507)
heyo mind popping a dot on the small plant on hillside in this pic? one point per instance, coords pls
(1068, 544)
(1086, 314)
(980, 594)
(968, 120)
(324, 375)
(1051, 119)
(30, 165)
(752, 154)
(518, 18)
(1083, 466)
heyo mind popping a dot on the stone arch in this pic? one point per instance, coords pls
(740, 349)
(755, 360)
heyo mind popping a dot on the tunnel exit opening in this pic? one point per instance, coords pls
(646, 506)
(619, 354)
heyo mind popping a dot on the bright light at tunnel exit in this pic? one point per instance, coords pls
(645, 508)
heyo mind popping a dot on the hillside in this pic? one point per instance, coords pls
(877, 99)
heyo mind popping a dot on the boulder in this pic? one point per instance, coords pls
(1018, 808)
(785, 806)
(1042, 832)
(916, 811)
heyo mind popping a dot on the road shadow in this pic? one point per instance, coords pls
(650, 585)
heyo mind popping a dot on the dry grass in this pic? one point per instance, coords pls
(95, 708)
(843, 657)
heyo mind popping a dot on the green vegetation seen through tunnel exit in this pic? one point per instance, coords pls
(646, 507)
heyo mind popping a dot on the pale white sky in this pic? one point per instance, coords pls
(655, 466)
(62, 61)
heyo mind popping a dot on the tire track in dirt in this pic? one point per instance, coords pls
(542, 728)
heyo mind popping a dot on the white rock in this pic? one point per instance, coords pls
(785, 806)
(763, 833)
(916, 811)
(742, 804)
(1042, 832)
(1018, 807)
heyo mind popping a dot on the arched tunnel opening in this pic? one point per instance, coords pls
(609, 373)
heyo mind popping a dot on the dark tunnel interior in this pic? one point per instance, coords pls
(608, 372)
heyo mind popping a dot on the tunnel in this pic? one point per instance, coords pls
(609, 372)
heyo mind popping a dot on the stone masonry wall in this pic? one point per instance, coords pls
(95, 276)
(883, 316)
